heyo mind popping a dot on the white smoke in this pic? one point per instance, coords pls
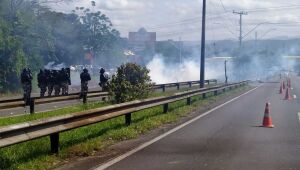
(52, 66)
(162, 72)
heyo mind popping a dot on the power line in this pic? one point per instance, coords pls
(273, 8)
(254, 29)
(182, 22)
(223, 21)
(221, 15)
(226, 11)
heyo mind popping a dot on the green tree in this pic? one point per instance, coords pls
(99, 37)
(32, 35)
(12, 58)
(131, 82)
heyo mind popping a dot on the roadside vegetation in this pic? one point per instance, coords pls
(5, 121)
(88, 140)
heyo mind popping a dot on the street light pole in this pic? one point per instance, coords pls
(202, 60)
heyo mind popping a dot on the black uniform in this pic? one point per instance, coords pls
(69, 75)
(26, 80)
(42, 82)
(65, 81)
(50, 81)
(57, 82)
(103, 79)
(84, 77)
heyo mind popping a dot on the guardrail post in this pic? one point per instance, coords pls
(166, 107)
(190, 84)
(216, 92)
(208, 81)
(189, 101)
(128, 119)
(104, 99)
(204, 95)
(163, 88)
(54, 139)
(31, 105)
(178, 86)
(84, 100)
(224, 90)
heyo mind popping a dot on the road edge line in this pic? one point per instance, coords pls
(146, 144)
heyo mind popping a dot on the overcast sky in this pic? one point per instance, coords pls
(172, 19)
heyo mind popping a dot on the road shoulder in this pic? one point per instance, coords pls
(100, 157)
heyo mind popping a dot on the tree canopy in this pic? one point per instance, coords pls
(31, 35)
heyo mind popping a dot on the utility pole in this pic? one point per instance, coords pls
(241, 13)
(202, 60)
(255, 43)
(226, 78)
(180, 51)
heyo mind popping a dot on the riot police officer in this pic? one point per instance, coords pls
(84, 77)
(64, 78)
(42, 83)
(57, 82)
(26, 80)
(49, 81)
(103, 79)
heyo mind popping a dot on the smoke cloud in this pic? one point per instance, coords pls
(52, 66)
(248, 65)
(162, 72)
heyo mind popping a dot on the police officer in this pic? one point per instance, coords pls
(68, 70)
(26, 80)
(50, 81)
(84, 77)
(57, 82)
(103, 79)
(42, 83)
(64, 78)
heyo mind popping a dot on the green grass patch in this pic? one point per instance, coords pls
(5, 121)
(87, 140)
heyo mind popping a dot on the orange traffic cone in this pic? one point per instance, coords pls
(280, 90)
(267, 122)
(287, 94)
(283, 86)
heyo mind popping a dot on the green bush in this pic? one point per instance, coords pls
(131, 82)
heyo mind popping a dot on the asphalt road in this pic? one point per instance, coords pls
(230, 138)
(56, 105)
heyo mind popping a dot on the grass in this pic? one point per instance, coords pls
(5, 121)
(72, 109)
(90, 139)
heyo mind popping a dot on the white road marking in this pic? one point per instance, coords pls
(299, 116)
(295, 97)
(121, 157)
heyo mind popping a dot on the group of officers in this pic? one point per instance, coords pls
(59, 81)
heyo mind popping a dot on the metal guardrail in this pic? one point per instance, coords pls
(23, 132)
(190, 83)
(13, 103)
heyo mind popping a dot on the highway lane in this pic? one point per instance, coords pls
(44, 107)
(230, 138)
(58, 105)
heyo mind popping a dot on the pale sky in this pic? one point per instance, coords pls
(172, 19)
